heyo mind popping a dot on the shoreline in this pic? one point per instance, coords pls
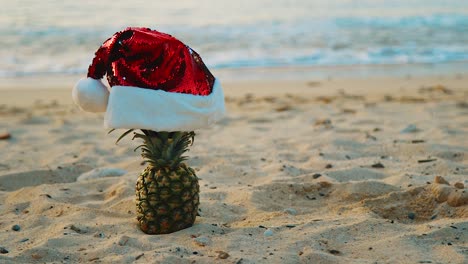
(33, 90)
(296, 73)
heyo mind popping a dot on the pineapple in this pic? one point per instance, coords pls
(167, 191)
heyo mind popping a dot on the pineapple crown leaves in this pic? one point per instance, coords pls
(162, 149)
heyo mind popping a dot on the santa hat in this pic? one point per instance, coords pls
(156, 83)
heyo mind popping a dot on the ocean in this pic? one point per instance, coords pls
(60, 37)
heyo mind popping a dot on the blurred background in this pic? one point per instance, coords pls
(302, 37)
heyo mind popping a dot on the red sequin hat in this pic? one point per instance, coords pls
(156, 82)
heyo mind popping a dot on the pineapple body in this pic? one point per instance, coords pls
(167, 199)
(167, 191)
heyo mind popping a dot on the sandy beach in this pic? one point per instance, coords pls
(331, 171)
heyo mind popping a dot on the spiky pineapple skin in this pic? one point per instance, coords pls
(167, 199)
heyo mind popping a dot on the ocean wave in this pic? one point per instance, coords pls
(302, 41)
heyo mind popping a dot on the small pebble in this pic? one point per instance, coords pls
(4, 136)
(334, 251)
(202, 241)
(3, 250)
(283, 108)
(410, 129)
(411, 216)
(36, 256)
(268, 233)
(324, 122)
(16, 228)
(426, 160)
(101, 173)
(459, 185)
(222, 255)
(100, 235)
(441, 180)
(378, 166)
(139, 256)
(328, 166)
(79, 230)
(316, 175)
(290, 211)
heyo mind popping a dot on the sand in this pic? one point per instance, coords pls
(332, 171)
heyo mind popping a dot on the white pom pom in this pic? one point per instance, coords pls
(91, 95)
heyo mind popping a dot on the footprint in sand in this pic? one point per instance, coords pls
(358, 191)
(355, 174)
(421, 204)
(63, 174)
(213, 206)
(316, 195)
(280, 195)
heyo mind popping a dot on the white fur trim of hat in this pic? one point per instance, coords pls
(90, 95)
(139, 108)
